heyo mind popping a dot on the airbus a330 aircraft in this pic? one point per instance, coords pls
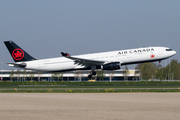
(112, 60)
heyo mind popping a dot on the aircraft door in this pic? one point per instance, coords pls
(41, 64)
(128, 55)
(160, 52)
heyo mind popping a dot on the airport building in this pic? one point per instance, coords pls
(80, 75)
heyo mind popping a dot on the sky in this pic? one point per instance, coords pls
(45, 28)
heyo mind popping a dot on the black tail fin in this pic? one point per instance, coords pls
(17, 53)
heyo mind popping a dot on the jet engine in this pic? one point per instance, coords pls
(111, 66)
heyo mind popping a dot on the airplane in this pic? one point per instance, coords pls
(112, 60)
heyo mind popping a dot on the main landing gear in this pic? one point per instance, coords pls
(159, 64)
(92, 73)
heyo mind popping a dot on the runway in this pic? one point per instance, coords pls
(89, 106)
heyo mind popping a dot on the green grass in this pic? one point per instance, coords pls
(130, 86)
(86, 90)
(89, 91)
(94, 83)
(89, 87)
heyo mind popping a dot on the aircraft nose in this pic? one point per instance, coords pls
(174, 52)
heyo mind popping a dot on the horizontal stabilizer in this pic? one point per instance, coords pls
(21, 65)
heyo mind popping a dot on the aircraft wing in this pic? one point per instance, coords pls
(82, 61)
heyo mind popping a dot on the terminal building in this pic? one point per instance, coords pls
(80, 75)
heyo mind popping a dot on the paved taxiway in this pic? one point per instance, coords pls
(89, 106)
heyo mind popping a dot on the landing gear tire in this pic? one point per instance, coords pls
(159, 66)
(93, 73)
(89, 77)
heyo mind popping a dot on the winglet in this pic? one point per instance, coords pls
(65, 54)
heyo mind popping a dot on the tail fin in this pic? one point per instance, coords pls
(17, 53)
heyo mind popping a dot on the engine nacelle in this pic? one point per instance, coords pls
(111, 66)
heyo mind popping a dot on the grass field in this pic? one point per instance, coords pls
(89, 87)
(84, 90)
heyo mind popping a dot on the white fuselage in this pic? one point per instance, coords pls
(130, 56)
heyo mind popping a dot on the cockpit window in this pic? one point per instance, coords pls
(168, 49)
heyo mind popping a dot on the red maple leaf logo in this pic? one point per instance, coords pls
(152, 56)
(18, 54)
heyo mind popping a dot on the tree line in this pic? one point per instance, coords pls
(30, 76)
(152, 71)
(24, 75)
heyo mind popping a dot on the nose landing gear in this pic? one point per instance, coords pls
(159, 64)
